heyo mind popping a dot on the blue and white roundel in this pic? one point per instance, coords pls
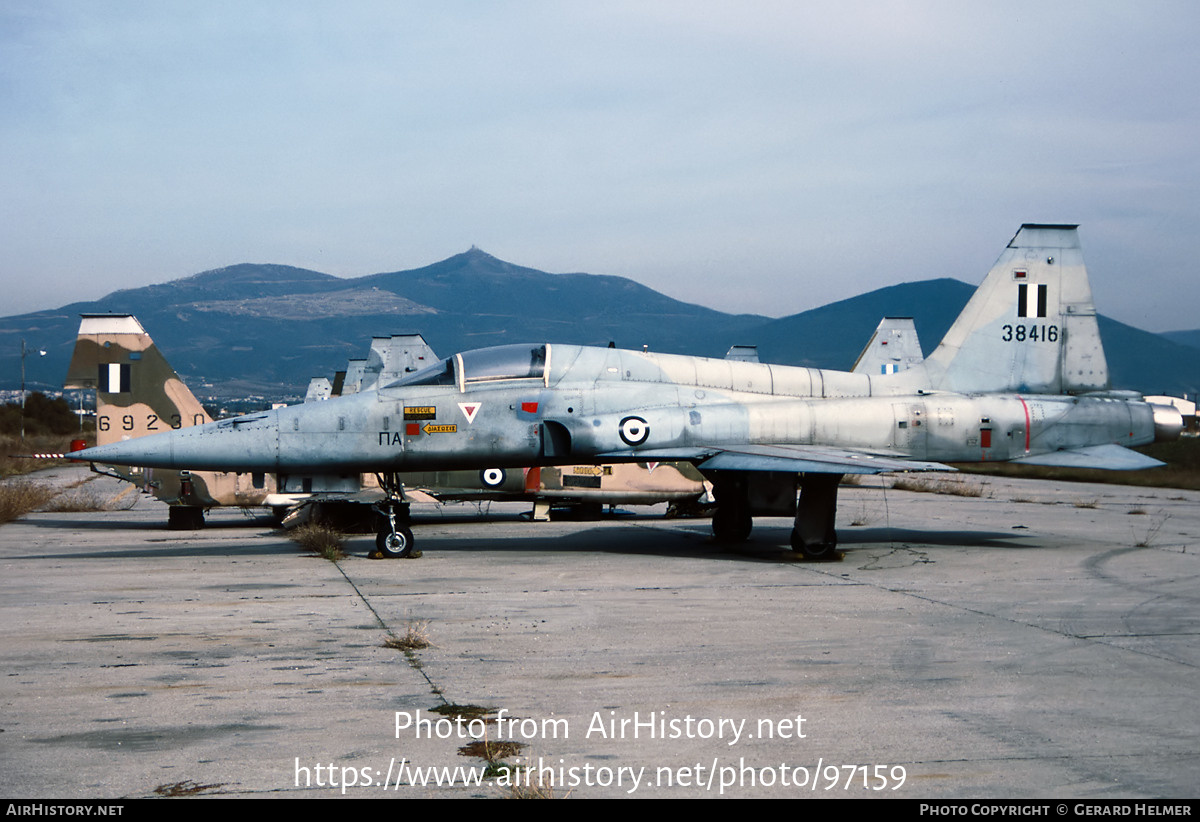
(492, 477)
(634, 430)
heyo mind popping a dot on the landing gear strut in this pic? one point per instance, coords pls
(741, 494)
(395, 538)
(813, 533)
(732, 521)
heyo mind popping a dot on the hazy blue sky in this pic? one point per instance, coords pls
(764, 157)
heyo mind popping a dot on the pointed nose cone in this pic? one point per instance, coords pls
(249, 443)
(150, 452)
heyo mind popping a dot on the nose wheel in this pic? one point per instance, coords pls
(394, 539)
(395, 544)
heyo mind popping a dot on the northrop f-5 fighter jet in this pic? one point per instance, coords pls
(1020, 376)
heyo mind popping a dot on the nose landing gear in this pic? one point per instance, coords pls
(394, 539)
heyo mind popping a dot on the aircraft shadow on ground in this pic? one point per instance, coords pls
(956, 537)
(109, 521)
(766, 544)
(267, 545)
(689, 539)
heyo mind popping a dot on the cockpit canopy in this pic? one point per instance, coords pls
(504, 362)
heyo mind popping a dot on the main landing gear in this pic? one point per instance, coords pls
(394, 539)
(813, 532)
(185, 518)
(732, 521)
(741, 494)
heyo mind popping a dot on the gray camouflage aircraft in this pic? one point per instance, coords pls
(139, 393)
(1020, 376)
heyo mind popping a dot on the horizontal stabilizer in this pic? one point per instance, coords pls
(1107, 457)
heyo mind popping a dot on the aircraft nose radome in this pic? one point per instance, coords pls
(248, 444)
(150, 452)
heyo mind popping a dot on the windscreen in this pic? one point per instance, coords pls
(440, 373)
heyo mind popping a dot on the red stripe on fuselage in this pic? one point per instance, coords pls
(1027, 431)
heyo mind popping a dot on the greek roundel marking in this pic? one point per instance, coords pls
(634, 430)
(492, 477)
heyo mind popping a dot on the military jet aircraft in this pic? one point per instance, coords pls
(139, 393)
(1020, 376)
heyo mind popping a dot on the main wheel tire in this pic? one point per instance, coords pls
(395, 545)
(818, 551)
(185, 518)
(732, 524)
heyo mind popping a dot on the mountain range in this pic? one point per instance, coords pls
(267, 329)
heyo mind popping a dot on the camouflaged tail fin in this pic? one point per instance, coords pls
(137, 391)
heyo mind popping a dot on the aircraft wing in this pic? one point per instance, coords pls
(808, 459)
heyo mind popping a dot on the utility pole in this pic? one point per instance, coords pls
(25, 351)
(22, 390)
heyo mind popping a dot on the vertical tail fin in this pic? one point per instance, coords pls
(137, 391)
(397, 356)
(1031, 325)
(894, 347)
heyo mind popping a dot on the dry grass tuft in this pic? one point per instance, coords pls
(415, 637)
(19, 498)
(951, 487)
(491, 751)
(533, 789)
(320, 539)
(84, 499)
(524, 782)
(1152, 532)
(185, 788)
(464, 712)
(521, 781)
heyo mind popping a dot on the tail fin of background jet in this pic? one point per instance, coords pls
(137, 391)
(397, 356)
(1031, 325)
(742, 353)
(893, 348)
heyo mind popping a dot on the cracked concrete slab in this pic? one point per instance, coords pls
(1013, 644)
